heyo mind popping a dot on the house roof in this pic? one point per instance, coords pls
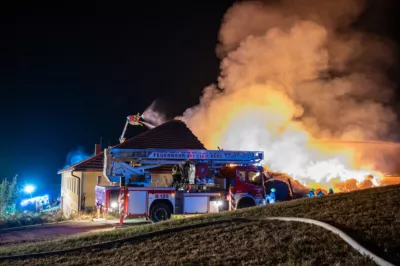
(94, 163)
(170, 135)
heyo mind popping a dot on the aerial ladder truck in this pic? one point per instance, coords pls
(203, 181)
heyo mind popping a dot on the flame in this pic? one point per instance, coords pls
(267, 124)
(291, 150)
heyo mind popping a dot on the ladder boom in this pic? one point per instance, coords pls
(182, 154)
(126, 162)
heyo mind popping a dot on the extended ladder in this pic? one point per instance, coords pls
(119, 162)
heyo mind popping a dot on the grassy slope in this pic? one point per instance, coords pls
(371, 216)
(256, 243)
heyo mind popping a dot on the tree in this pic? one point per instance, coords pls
(8, 196)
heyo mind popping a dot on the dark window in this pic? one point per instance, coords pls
(255, 178)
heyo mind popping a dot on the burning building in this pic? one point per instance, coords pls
(294, 73)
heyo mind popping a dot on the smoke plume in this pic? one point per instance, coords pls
(155, 114)
(293, 72)
(75, 156)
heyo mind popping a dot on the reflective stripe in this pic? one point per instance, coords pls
(232, 203)
(121, 201)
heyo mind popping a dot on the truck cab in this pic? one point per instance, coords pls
(245, 186)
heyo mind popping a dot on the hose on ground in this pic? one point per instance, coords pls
(363, 251)
(342, 235)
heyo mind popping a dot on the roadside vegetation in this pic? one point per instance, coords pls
(11, 214)
(8, 197)
(26, 219)
(92, 214)
(371, 216)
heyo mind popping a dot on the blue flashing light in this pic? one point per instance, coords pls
(29, 189)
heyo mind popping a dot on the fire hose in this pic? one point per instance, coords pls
(342, 235)
(363, 251)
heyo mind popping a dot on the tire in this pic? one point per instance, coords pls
(160, 212)
(246, 203)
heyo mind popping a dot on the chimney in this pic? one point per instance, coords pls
(97, 149)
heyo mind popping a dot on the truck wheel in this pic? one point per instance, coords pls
(245, 203)
(160, 212)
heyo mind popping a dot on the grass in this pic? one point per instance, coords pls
(370, 216)
(89, 215)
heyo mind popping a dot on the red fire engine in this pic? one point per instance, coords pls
(204, 181)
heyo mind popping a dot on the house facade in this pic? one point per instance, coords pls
(78, 181)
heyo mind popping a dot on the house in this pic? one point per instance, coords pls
(79, 180)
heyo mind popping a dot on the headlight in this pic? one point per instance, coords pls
(114, 205)
(218, 203)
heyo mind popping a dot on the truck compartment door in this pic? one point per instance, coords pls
(137, 203)
(198, 204)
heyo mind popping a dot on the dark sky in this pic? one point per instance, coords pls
(72, 71)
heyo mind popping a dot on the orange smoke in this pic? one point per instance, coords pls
(288, 78)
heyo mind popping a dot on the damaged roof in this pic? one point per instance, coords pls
(170, 135)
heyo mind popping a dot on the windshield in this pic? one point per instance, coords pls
(255, 178)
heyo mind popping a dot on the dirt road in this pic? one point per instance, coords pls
(37, 233)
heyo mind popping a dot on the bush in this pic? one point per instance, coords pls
(9, 215)
(24, 219)
(8, 197)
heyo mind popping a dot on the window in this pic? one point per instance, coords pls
(255, 178)
(72, 184)
(241, 175)
(99, 179)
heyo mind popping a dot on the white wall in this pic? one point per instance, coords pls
(69, 193)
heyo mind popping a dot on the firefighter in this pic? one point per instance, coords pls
(272, 195)
(330, 191)
(271, 198)
(311, 193)
(176, 176)
(320, 193)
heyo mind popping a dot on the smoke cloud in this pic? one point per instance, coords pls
(155, 114)
(75, 156)
(293, 72)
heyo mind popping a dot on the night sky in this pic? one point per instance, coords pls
(72, 71)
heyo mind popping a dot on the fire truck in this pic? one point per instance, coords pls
(203, 181)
